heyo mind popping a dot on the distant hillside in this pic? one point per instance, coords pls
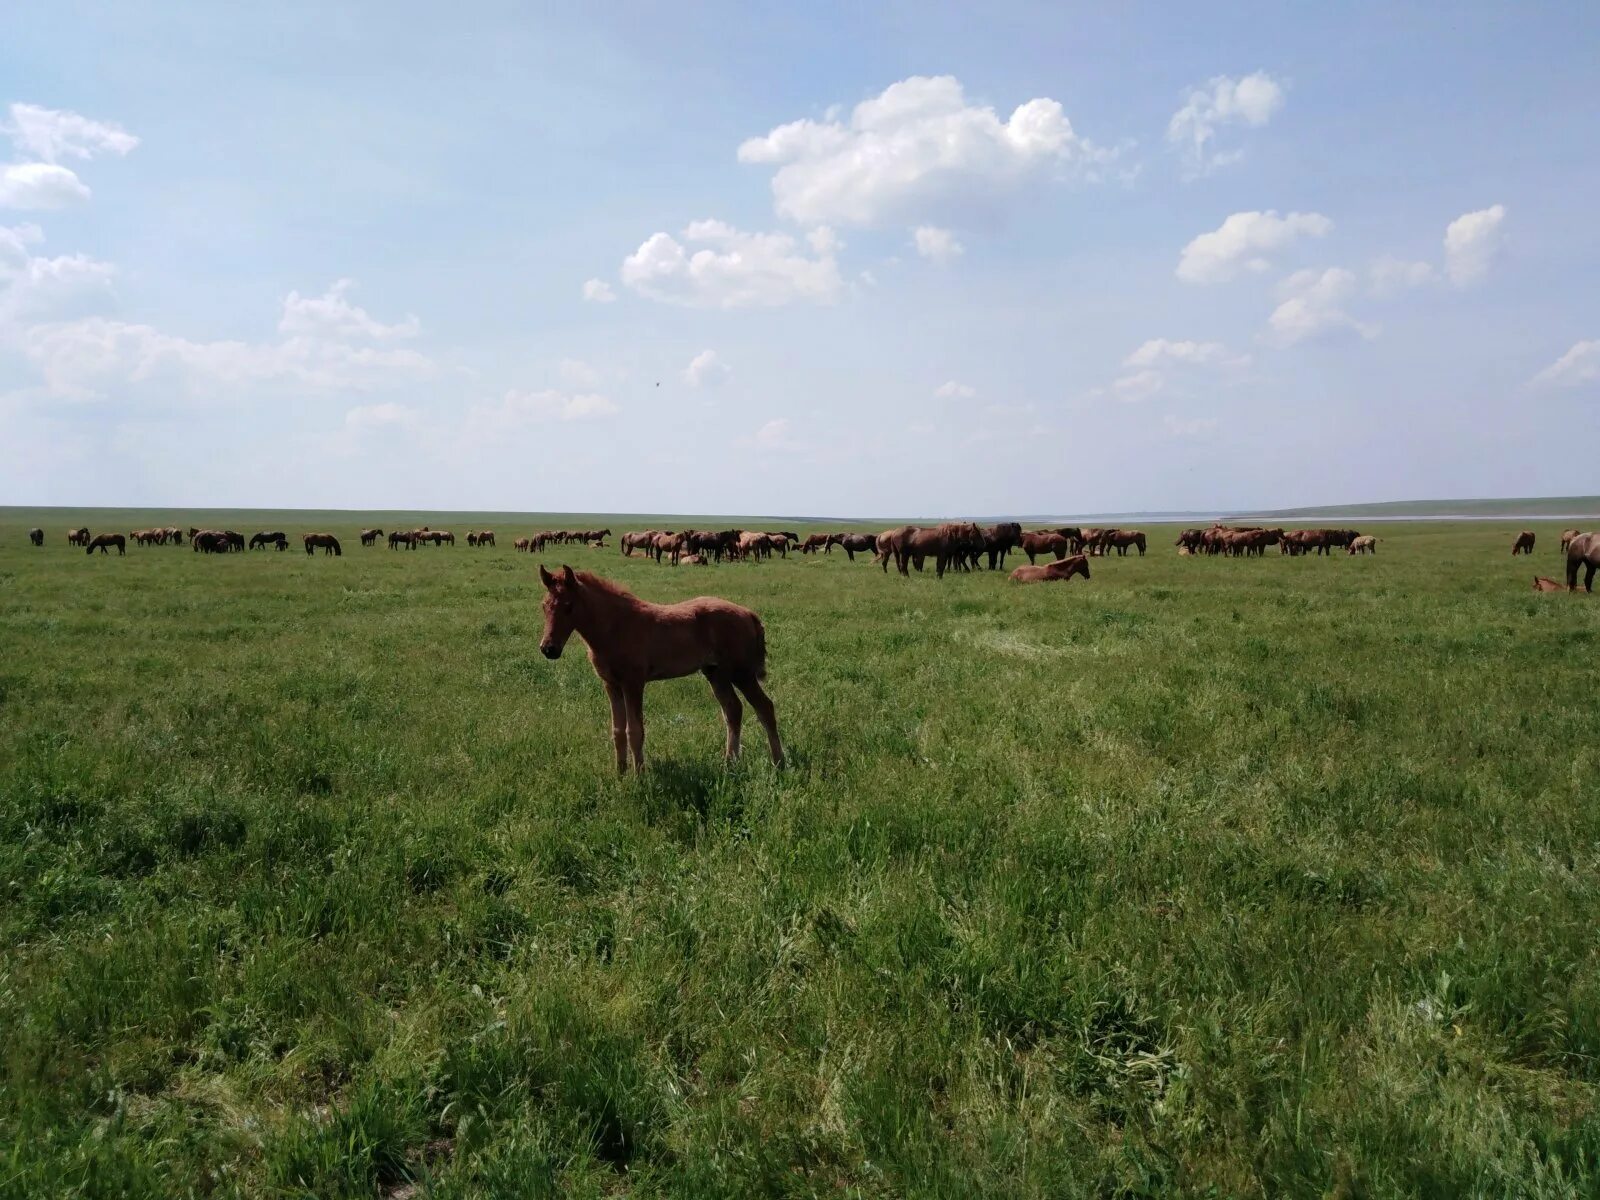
(1528, 506)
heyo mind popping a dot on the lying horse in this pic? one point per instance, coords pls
(632, 642)
(329, 543)
(1054, 572)
(108, 539)
(1541, 584)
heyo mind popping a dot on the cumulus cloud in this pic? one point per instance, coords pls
(1250, 101)
(776, 434)
(1470, 243)
(516, 411)
(323, 348)
(576, 373)
(917, 146)
(1157, 360)
(938, 244)
(331, 315)
(1140, 385)
(368, 417)
(1159, 350)
(1577, 367)
(53, 134)
(39, 186)
(34, 287)
(598, 291)
(705, 370)
(1390, 275)
(1312, 303)
(1189, 427)
(1246, 241)
(953, 390)
(733, 269)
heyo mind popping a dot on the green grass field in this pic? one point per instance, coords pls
(1276, 877)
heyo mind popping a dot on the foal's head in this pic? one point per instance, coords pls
(560, 609)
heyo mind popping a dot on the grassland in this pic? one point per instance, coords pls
(1260, 878)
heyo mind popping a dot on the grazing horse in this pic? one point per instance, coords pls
(36, 536)
(1541, 584)
(1524, 543)
(399, 538)
(1053, 572)
(329, 543)
(78, 537)
(632, 642)
(1365, 544)
(1566, 538)
(486, 537)
(108, 539)
(370, 537)
(858, 543)
(1583, 551)
(262, 540)
(209, 541)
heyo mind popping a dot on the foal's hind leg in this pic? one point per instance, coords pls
(732, 710)
(766, 714)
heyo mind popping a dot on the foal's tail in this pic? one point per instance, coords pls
(759, 663)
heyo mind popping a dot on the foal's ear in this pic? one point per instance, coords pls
(546, 578)
(567, 577)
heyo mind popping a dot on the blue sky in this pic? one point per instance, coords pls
(1013, 258)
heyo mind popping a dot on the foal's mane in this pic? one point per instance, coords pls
(601, 584)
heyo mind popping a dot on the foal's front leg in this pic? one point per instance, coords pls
(633, 693)
(732, 710)
(619, 725)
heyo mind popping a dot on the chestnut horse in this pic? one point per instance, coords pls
(632, 642)
(1541, 584)
(1059, 571)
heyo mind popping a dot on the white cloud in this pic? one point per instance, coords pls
(705, 370)
(367, 417)
(598, 291)
(776, 434)
(937, 244)
(37, 185)
(37, 288)
(516, 411)
(1470, 243)
(1189, 427)
(1390, 275)
(1158, 350)
(1313, 303)
(1244, 242)
(579, 374)
(52, 134)
(94, 357)
(918, 145)
(331, 315)
(1250, 101)
(954, 390)
(1578, 366)
(1140, 385)
(734, 269)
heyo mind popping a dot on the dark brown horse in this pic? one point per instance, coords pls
(36, 536)
(400, 538)
(632, 642)
(276, 538)
(108, 539)
(328, 543)
(1524, 543)
(1053, 572)
(370, 537)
